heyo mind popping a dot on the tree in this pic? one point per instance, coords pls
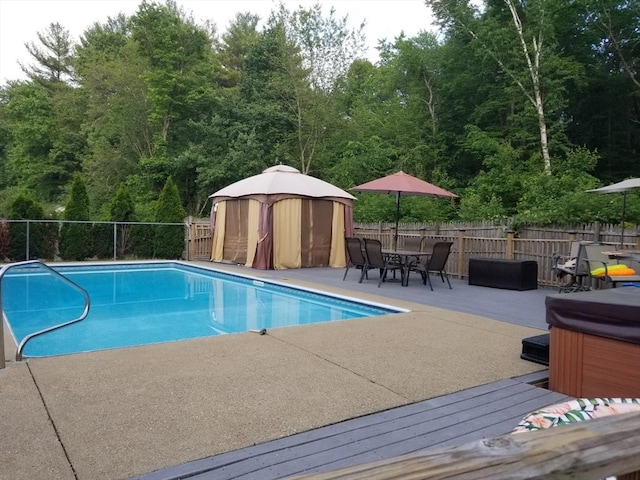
(519, 38)
(110, 71)
(169, 239)
(180, 72)
(410, 76)
(120, 209)
(179, 81)
(234, 46)
(53, 62)
(75, 238)
(317, 52)
(123, 210)
(41, 236)
(45, 145)
(618, 21)
(326, 45)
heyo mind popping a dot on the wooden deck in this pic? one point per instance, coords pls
(480, 412)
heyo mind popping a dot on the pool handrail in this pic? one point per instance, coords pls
(85, 312)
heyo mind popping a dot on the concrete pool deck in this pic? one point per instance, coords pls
(120, 413)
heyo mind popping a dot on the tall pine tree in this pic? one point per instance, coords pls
(75, 238)
(169, 239)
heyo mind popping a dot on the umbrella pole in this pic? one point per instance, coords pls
(395, 241)
(624, 207)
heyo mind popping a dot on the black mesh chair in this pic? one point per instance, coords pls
(436, 263)
(357, 259)
(572, 269)
(377, 259)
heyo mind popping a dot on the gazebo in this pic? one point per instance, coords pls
(281, 219)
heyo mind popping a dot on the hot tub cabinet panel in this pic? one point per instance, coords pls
(594, 346)
(583, 365)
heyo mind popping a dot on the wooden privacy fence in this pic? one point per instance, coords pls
(467, 245)
(480, 240)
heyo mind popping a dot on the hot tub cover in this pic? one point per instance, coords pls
(611, 313)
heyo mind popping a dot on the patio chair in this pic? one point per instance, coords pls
(376, 259)
(605, 271)
(356, 257)
(413, 243)
(573, 266)
(436, 264)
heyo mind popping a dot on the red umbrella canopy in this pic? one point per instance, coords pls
(403, 183)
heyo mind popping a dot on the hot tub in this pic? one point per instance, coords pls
(594, 348)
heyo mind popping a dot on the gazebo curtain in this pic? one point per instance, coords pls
(338, 256)
(218, 231)
(287, 241)
(289, 233)
(253, 233)
(316, 232)
(236, 232)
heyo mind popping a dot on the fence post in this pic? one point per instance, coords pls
(115, 240)
(596, 231)
(461, 247)
(510, 244)
(637, 240)
(573, 235)
(2, 361)
(28, 242)
(187, 238)
(423, 236)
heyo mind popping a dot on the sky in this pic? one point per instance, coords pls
(20, 20)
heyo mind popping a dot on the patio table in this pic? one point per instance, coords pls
(406, 260)
(624, 254)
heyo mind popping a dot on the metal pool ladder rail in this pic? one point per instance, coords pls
(38, 263)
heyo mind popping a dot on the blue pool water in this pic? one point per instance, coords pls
(139, 304)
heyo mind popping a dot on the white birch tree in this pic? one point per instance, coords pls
(530, 36)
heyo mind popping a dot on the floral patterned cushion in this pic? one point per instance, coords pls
(576, 411)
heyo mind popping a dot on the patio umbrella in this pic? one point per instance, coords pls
(623, 187)
(399, 184)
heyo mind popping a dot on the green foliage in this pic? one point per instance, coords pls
(169, 239)
(372, 207)
(41, 236)
(75, 238)
(178, 86)
(362, 161)
(102, 240)
(53, 62)
(563, 197)
(153, 95)
(115, 123)
(496, 190)
(4, 241)
(121, 209)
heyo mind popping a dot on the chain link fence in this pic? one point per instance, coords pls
(70, 240)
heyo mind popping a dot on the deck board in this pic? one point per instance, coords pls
(484, 411)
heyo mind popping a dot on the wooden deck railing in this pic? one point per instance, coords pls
(591, 449)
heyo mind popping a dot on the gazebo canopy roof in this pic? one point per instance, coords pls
(281, 180)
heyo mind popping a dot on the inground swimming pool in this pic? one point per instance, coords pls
(143, 303)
